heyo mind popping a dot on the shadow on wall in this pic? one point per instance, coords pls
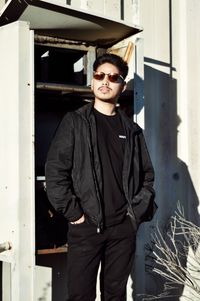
(173, 183)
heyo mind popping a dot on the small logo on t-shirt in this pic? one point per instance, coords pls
(122, 136)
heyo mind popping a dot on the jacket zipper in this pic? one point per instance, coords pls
(130, 211)
(94, 176)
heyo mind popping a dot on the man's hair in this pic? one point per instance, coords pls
(114, 60)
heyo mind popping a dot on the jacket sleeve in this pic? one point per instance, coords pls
(58, 171)
(143, 202)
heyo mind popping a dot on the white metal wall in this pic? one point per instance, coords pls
(171, 87)
(16, 164)
(127, 9)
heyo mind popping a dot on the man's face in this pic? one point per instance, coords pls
(104, 89)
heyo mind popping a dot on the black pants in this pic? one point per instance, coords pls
(114, 248)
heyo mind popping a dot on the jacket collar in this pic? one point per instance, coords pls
(86, 111)
(129, 123)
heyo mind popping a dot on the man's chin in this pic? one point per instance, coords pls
(108, 100)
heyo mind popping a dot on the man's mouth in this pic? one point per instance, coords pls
(104, 89)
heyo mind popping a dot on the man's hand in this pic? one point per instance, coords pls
(79, 221)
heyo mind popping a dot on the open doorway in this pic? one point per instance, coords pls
(60, 69)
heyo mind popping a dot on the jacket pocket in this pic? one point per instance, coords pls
(131, 216)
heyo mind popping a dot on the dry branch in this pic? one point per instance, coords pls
(175, 256)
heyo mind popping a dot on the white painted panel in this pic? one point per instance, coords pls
(43, 283)
(171, 86)
(113, 9)
(131, 11)
(2, 3)
(6, 282)
(139, 84)
(193, 76)
(16, 156)
(97, 6)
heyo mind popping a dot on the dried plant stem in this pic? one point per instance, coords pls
(175, 256)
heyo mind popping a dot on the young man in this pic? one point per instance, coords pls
(100, 177)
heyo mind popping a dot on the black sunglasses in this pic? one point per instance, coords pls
(112, 77)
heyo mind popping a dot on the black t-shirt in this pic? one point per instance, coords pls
(111, 141)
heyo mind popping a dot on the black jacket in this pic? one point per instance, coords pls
(73, 172)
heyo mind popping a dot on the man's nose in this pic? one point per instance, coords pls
(105, 80)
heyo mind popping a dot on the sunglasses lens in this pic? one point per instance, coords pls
(113, 78)
(99, 75)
